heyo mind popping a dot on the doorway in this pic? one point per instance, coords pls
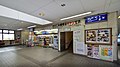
(66, 41)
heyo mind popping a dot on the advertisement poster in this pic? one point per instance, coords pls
(89, 51)
(95, 52)
(106, 52)
(99, 36)
(91, 36)
(80, 47)
(103, 36)
(78, 43)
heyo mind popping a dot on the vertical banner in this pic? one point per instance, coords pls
(78, 42)
(106, 52)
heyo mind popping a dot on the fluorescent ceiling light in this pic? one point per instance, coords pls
(14, 14)
(20, 29)
(31, 26)
(76, 16)
(118, 17)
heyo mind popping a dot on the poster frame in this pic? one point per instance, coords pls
(110, 37)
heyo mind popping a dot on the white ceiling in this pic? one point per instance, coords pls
(7, 23)
(54, 12)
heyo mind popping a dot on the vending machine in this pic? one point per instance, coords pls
(55, 41)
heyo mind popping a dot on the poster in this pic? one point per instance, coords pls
(80, 48)
(103, 36)
(98, 36)
(95, 52)
(106, 52)
(91, 36)
(78, 42)
(89, 51)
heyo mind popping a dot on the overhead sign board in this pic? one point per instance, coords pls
(96, 18)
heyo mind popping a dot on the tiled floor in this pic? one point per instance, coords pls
(46, 57)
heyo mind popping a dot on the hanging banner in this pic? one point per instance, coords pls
(106, 52)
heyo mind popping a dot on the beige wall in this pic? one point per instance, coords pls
(111, 23)
(24, 35)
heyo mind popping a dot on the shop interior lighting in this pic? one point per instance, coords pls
(118, 17)
(45, 35)
(20, 29)
(36, 31)
(32, 26)
(76, 16)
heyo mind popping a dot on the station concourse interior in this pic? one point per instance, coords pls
(59, 33)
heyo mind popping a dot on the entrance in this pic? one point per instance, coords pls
(66, 41)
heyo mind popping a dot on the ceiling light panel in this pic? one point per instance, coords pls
(32, 26)
(10, 13)
(20, 29)
(76, 16)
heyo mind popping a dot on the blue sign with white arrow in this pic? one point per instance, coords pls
(96, 18)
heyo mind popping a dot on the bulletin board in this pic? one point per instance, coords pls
(98, 36)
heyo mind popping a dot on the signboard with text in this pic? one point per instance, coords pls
(96, 18)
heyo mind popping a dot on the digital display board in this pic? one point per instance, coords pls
(96, 18)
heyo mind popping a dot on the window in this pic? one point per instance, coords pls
(11, 36)
(5, 31)
(5, 36)
(11, 31)
(0, 36)
(0, 31)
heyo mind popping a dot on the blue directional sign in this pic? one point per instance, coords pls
(96, 18)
